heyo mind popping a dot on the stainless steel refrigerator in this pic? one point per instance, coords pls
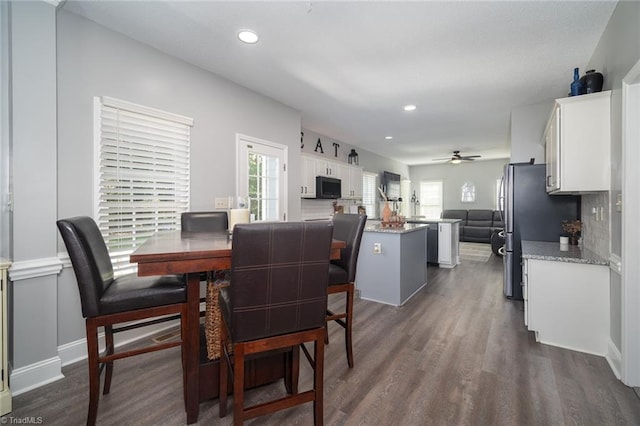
(530, 214)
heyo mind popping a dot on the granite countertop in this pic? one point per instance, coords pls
(408, 227)
(425, 220)
(544, 250)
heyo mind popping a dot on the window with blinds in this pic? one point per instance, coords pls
(431, 199)
(369, 193)
(142, 173)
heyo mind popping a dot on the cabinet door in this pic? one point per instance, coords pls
(444, 243)
(552, 151)
(356, 182)
(327, 168)
(345, 177)
(308, 183)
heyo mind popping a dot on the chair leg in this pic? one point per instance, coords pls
(94, 371)
(349, 321)
(183, 349)
(292, 370)
(223, 375)
(318, 385)
(108, 338)
(238, 384)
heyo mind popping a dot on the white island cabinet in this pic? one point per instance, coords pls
(448, 243)
(392, 263)
(566, 296)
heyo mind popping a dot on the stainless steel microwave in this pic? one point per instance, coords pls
(327, 187)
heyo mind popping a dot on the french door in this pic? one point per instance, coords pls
(262, 177)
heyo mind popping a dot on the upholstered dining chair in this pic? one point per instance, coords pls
(276, 298)
(107, 301)
(207, 221)
(342, 273)
(204, 221)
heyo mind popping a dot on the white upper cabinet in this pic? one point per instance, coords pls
(327, 168)
(578, 144)
(308, 184)
(351, 178)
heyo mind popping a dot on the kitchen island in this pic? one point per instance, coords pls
(392, 263)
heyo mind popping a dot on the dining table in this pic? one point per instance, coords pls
(191, 253)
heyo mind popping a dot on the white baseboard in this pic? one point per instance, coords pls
(44, 372)
(35, 375)
(614, 358)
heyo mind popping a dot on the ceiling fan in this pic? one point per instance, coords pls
(457, 158)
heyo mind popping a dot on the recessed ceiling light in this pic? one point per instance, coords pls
(248, 36)
(388, 137)
(409, 107)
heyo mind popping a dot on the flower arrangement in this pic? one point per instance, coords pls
(572, 227)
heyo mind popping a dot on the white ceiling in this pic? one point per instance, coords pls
(350, 67)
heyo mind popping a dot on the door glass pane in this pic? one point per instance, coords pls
(263, 186)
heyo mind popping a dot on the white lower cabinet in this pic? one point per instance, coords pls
(566, 304)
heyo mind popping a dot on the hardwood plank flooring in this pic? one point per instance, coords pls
(456, 354)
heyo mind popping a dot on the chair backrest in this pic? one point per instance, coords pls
(279, 275)
(349, 228)
(90, 260)
(204, 221)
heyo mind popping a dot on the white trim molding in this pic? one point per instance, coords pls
(614, 358)
(34, 268)
(630, 205)
(35, 375)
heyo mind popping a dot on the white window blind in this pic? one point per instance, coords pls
(369, 193)
(431, 199)
(142, 174)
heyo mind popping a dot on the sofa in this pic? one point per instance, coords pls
(476, 225)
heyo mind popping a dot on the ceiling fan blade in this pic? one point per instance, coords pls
(441, 159)
(470, 157)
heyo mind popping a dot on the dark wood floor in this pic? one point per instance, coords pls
(455, 354)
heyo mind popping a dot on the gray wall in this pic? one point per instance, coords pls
(527, 127)
(482, 173)
(94, 61)
(33, 132)
(369, 161)
(617, 52)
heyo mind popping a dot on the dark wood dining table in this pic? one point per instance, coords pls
(190, 253)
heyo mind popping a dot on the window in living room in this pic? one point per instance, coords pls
(142, 174)
(499, 195)
(431, 199)
(369, 193)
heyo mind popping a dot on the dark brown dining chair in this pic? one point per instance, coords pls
(276, 299)
(207, 221)
(204, 221)
(342, 273)
(107, 301)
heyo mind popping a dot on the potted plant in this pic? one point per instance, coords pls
(573, 228)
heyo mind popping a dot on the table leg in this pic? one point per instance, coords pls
(191, 359)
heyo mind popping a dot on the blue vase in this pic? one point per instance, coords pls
(576, 85)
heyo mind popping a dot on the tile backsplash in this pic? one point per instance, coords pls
(595, 219)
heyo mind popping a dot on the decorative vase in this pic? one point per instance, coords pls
(576, 86)
(386, 212)
(573, 240)
(591, 82)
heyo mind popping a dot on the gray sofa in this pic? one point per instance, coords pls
(476, 225)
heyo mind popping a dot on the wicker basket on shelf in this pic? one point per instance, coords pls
(213, 317)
